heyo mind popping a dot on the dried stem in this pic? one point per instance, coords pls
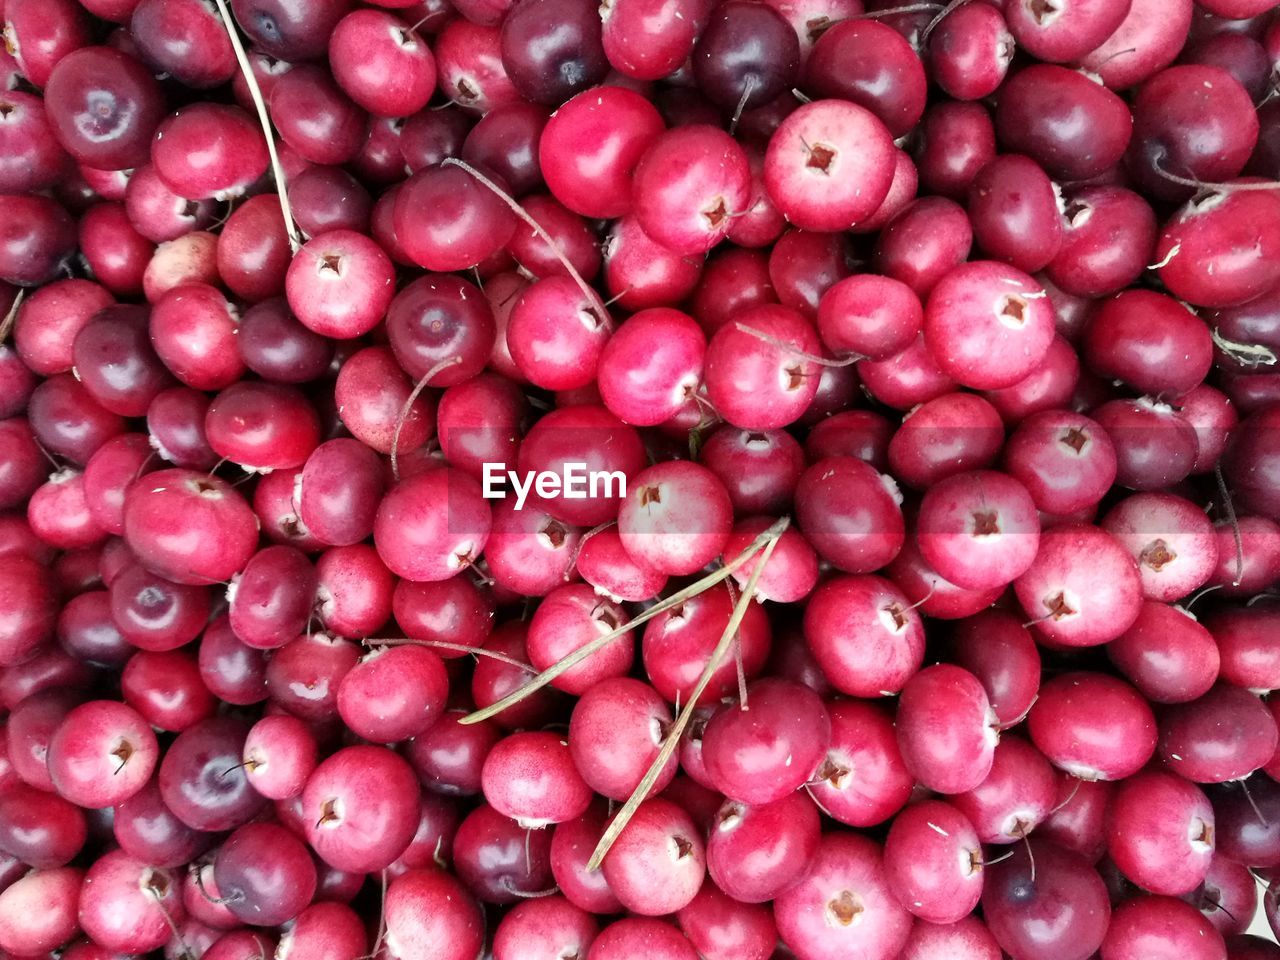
(582, 542)
(796, 351)
(1223, 188)
(6, 326)
(1235, 523)
(747, 88)
(738, 663)
(941, 15)
(593, 299)
(895, 11)
(582, 653)
(672, 740)
(408, 405)
(255, 93)
(455, 647)
(1247, 354)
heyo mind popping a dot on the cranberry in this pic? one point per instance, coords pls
(758, 754)
(864, 634)
(647, 41)
(942, 435)
(981, 304)
(1060, 905)
(38, 911)
(869, 63)
(104, 107)
(1064, 33)
(188, 527)
(1066, 461)
(547, 925)
(642, 936)
(845, 906)
(1166, 654)
(323, 199)
(1155, 926)
(304, 675)
(850, 514)
(687, 185)
(253, 250)
(382, 63)
(447, 220)
(587, 435)
(1155, 33)
(166, 688)
(1161, 833)
(759, 468)
(657, 864)
(678, 643)
(970, 51)
(324, 929)
(1014, 211)
(641, 273)
(1060, 118)
(201, 780)
(126, 905)
(1236, 225)
(826, 143)
(431, 526)
(615, 732)
(531, 778)
(233, 671)
(924, 242)
(429, 912)
(361, 808)
(967, 939)
(41, 829)
(756, 372)
(756, 851)
(572, 843)
(340, 284)
(176, 432)
(957, 140)
(1224, 735)
(393, 693)
(651, 366)
(102, 753)
(720, 927)
(1170, 538)
(979, 529)
(279, 756)
(187, 40)
(552, 49)
(264, 897)
(37, 239)
(1016, 796)
(353, 593)
(209, 150)
(933, 862)
(675, 517)
(873, 317)
(1109, 234)
(1073, 708)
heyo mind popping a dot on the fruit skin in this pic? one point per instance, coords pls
(914, 216)
(841, 183)
(844, 862)
(988, 325)
(432, 916)
(189, 527)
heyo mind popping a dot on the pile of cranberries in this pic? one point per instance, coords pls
(923, 359)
